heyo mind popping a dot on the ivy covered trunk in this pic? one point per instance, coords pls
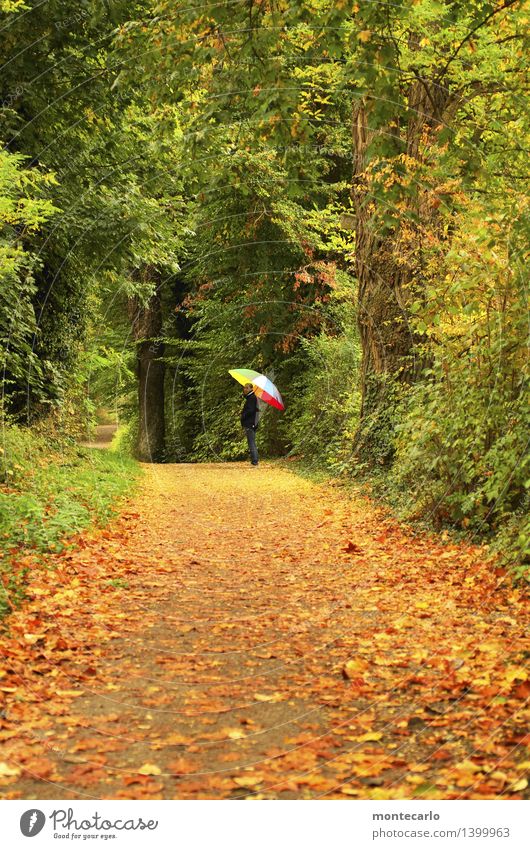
(146, 322)
(388, 263)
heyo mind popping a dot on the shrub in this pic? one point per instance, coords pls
(324, 418)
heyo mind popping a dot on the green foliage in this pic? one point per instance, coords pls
(22, 211)
(98, 156)
(51, 489)
(208, 427)
(125, 438)
(259, 277)
(462, 445)
(513, 541)
(324, 417)
(375, 437)
(268, 96)
(454, 457)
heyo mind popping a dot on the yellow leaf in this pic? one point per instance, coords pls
(7, 771)
(269, 697)
(354, 668)
(522, 784)
(150, 769)
(248, 781)
(370, 736)
(235, 733)
(33, 638)
(365, 35)
(350, 791)
(516, 672)
(492, 648)
(467, 766)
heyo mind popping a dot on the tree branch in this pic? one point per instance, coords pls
(472, 32)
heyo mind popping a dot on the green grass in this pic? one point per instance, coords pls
(51, 489)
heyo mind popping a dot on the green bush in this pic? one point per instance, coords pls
(513, 542)
(324, 418)
(462, 456)
(125, 439)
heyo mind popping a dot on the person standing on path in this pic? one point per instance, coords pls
(249, 421)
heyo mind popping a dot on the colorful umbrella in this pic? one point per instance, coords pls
(263, 387)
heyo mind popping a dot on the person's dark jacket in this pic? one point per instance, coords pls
(249, 411)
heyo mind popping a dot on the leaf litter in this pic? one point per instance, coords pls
(238, 635)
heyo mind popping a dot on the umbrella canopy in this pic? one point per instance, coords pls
(243, 375)
(263, 387)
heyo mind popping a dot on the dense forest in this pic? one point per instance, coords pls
(334, 193)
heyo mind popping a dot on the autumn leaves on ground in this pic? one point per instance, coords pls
(244, 633)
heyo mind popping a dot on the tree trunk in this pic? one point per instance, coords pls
(146, 322)
(385, 275)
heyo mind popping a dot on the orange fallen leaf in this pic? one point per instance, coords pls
(181, 766)
(352, 548)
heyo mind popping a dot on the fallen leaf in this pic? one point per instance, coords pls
(369, 737)
(7, 771)
(352, 548)
(354, 668)
(150, 769)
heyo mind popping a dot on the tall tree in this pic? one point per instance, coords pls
(146, 321)
(422, 65)
(104, 163)
(58, 110)
(278, 73)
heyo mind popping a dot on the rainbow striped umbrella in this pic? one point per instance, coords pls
(263, 387)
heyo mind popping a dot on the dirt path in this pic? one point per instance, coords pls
(241, 632)
(103, 436)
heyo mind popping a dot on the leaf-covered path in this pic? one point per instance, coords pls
(242, 632)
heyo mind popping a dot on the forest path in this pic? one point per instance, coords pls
(243, 632)
(102, 437)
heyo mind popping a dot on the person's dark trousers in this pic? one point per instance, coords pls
(251, 439)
